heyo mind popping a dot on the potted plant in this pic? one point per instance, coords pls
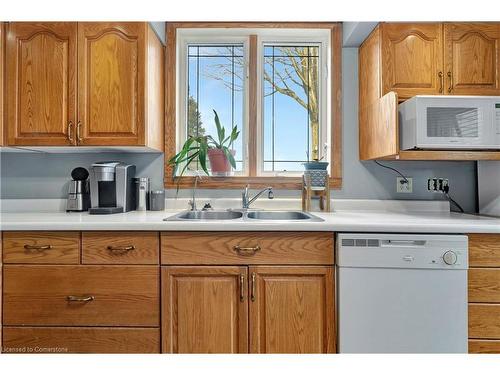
(220, 156)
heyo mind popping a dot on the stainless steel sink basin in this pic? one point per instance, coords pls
(207, 215)
(243, 215)
(282, 215)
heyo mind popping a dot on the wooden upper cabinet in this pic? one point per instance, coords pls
(292, 309)
(111, 83)
(41, 83)
(84, 84)
(412, 58)
(472, 58)
(204, 309)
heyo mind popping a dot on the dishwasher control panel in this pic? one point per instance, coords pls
(402, 250)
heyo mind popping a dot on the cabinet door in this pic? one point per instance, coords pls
(111, 71)
(204, 310)
(41, 83)
(472, 57)
(292, 310)
(412, 59)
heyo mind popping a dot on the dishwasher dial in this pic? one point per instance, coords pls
(450, 257)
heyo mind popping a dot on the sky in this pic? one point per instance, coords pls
(291, 123)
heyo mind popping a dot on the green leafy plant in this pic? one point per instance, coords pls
(197, 148)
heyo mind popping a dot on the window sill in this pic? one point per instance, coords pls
(239, 182)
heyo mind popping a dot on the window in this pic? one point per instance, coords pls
(273, 83)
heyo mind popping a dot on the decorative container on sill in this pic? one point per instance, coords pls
(316, 184)
(219, 164)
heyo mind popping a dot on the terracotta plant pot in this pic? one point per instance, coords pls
(219, 164)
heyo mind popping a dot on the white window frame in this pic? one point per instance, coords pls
(265, 36)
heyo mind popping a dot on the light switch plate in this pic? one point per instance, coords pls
(404, 187)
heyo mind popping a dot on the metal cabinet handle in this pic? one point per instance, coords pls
(79, 298)
(246, 250)
(441, 81)
(450, 76)
(70, 130)
(121, 249)
(242, 288)
(37, 247)
(78, 137)
(252, 293)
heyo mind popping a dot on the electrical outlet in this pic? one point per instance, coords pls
(437, 184)
(403, 186)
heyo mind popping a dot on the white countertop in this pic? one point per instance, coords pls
(386, 220)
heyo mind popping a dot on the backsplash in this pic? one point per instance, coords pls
(42, 175)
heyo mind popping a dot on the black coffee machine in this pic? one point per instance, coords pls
(112, 187)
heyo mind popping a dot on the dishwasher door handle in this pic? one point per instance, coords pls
(395, 243)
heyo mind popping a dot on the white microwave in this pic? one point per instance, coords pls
(450, 122)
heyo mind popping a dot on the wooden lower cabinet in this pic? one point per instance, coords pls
(57, 340)
(484, 293)
(263, 309)
(292, 310)
(204, 309)
(81, 295)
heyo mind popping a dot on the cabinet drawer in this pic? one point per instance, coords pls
(247, 248)
(484, 346)
(120, 248)
(484, 321)
(484, 250)
(118, 295)
(81, 340)
(41, 247)
(484, 285)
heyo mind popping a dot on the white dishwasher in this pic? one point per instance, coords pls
(402, 293)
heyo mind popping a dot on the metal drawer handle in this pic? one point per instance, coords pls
(450, 76)
(252, 293)
(37, 247)
(78, 137)
(246, 250)
(79, 299)
(441, 80)
(70, 130)
(242, 290)
(121, 249)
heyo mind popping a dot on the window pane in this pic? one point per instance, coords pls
(290, 106)
(216, 82)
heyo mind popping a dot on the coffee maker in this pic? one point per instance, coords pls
(78, 191)
(112, 187)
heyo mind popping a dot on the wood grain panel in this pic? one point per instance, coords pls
(484, 285)
(113, 248)
(448, 155)
(204, 310)
(275, 248)
(41, 80)
(472, 56)
(293, 310)
(64, 247)
(484, 321)
(484, 346)
(484, 250)
(378, 116)
(123, 295)
(111, 83)
(155, 92)
(412, 58)
(81, 340)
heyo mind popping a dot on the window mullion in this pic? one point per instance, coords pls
(253, 103)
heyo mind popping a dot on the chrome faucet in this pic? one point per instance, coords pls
(192, 202)
(246, 201)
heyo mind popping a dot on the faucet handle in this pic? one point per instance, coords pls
(270, 195)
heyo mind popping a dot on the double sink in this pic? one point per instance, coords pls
(243, 215)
